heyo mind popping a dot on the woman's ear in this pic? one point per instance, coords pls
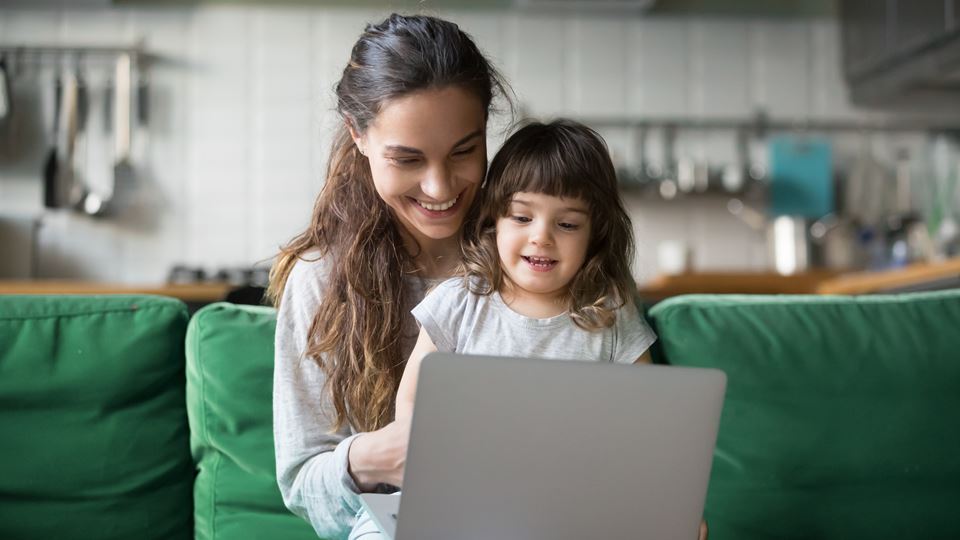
(357, 138)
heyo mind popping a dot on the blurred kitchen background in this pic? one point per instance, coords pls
(145, 143)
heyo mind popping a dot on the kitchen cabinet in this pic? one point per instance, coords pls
(918, 24)
(894, 47)
(865, 30)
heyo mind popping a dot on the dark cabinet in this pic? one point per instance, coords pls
(892, 47)
(919, 23)
(865, 34)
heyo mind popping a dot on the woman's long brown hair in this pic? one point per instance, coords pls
(356, 334)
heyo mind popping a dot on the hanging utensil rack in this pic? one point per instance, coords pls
(760, 123)
(41, 53)
(126, 95)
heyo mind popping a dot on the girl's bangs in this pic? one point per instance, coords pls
(545, 170)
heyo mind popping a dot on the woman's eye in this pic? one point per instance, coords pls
(404, 160)
(465, 151)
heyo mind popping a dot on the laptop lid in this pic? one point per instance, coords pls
(540, 449)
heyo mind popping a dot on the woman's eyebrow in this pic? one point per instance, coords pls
(410, 150)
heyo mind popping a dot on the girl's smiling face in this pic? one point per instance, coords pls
(542, 242)
(427, 153)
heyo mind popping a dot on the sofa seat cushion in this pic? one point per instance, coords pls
(93, 423)
(229, 394)
(841, 416)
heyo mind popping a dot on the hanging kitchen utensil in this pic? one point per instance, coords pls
(668, 178)
(50, 199)
(121, 110)
(6, 95)
(866, 186)
(97, 200)
(122, 107)
(62, 178)
(801, 176)
(78, 159)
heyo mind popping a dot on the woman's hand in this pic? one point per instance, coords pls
(379, 457)
(703, 530)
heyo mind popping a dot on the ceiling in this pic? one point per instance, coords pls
(718, 8)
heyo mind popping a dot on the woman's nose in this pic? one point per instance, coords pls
(437, 184)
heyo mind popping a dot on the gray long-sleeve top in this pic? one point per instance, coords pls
(312, 466)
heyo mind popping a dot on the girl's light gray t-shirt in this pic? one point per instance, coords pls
(312, 465)
(460, 321)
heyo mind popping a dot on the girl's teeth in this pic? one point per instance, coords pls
(438, 207)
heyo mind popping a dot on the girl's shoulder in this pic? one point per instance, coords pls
(457, 291)
(456, 285)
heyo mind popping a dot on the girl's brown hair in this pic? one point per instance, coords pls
(563, 159)
(356, 333)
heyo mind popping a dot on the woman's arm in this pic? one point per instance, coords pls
(312, 461)
(408, 384)
(319, 471)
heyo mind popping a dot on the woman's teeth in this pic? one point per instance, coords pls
(438, 207)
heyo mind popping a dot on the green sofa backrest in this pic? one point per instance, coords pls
(229, 397)
(842, 414)
(93, 427)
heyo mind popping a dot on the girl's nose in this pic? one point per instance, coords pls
(541, 236)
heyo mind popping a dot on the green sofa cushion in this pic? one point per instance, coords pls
(229, 401)
(842, 414)
(93, 427)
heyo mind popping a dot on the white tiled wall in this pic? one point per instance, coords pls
(241, 118)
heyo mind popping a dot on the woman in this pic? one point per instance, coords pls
(403, 170)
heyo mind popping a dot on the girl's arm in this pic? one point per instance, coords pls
(644, 358)
(408, 384)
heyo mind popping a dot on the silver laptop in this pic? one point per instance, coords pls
(544, 449)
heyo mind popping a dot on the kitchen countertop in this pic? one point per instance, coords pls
(665, 286)
(191, 293)
(915, 276)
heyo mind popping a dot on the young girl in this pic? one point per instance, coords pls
(545, 262)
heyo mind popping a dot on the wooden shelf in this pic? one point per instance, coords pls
(921, 276)
(914, 276)
(195, 293)
(733, 283)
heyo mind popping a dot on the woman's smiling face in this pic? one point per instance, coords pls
(427, 153)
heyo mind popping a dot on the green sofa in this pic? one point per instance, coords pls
(122, 418)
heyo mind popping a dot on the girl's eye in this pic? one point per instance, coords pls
(569, 226)
(521, 219)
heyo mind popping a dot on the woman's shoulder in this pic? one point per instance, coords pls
(310, 264)
(307, 274)
(304, 288)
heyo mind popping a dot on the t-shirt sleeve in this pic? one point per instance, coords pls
(633, 335)
(441, 313)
